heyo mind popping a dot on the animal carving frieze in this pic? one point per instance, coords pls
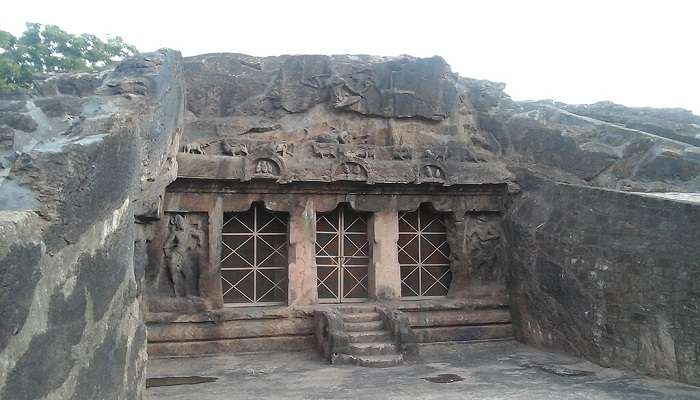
(324, 150)
(401, 154)
(342, 137)
(234, 149)
(195, 148)
(364, 153)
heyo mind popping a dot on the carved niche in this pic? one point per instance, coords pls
(266, 168)
(184, 254)
(432, 173)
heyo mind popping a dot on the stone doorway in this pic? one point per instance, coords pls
(342, 255)
(424, 254)
(254, 257)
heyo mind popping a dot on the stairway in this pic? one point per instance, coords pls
(371, 344)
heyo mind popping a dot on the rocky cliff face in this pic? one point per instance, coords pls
(84, 156)
(585, 145)
(414, 102)
(607, 275)
(375, 100)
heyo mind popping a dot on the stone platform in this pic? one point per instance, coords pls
(477, 371)
(256, 329)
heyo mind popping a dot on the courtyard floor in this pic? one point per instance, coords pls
(496, 370)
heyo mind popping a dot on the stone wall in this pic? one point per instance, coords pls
(94, 160)
(611, 276)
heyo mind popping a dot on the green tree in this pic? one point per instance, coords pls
(48, 48)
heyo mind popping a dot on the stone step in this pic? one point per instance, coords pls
(379, 361)
(372, 348)
(362, 317)
(463, 333)
(356, 309)
(442, 318)
(363, 326)
(369, 336)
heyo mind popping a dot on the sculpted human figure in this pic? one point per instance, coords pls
(263, 167)
(283, 150)
(176, 247)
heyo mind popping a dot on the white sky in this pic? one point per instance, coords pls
(639, 53)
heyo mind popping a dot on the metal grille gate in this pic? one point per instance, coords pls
(254, 257)
(423, 254)
(342, 255)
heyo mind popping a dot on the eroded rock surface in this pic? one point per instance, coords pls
(603, 274)
(568, 144)
(84, 155)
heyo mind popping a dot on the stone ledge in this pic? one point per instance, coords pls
(199, 348)
(224, 314)
(464, 333)
(241, 329)
(491, 302)
(458, 318)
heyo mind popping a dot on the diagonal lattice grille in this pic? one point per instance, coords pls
(254, 257)
(342, 255)
(424, 254)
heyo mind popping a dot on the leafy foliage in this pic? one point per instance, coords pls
(48, 48)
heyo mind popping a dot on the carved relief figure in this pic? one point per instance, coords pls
(351, 170)
(436, 154)
(182, 238)
(195, 148)
(342, 94)
(402, 153)
(342, 137)
(484, 239)
(266, 166)
(283, 150)
(360, 153)
(324, 150)
(433, 172)
(236, 149)
(316, 81)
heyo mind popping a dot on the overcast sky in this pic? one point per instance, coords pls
(639, 53)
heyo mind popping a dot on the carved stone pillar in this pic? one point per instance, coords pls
(302, 255)
(210, 279)
(384, 271)
(456, 225)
